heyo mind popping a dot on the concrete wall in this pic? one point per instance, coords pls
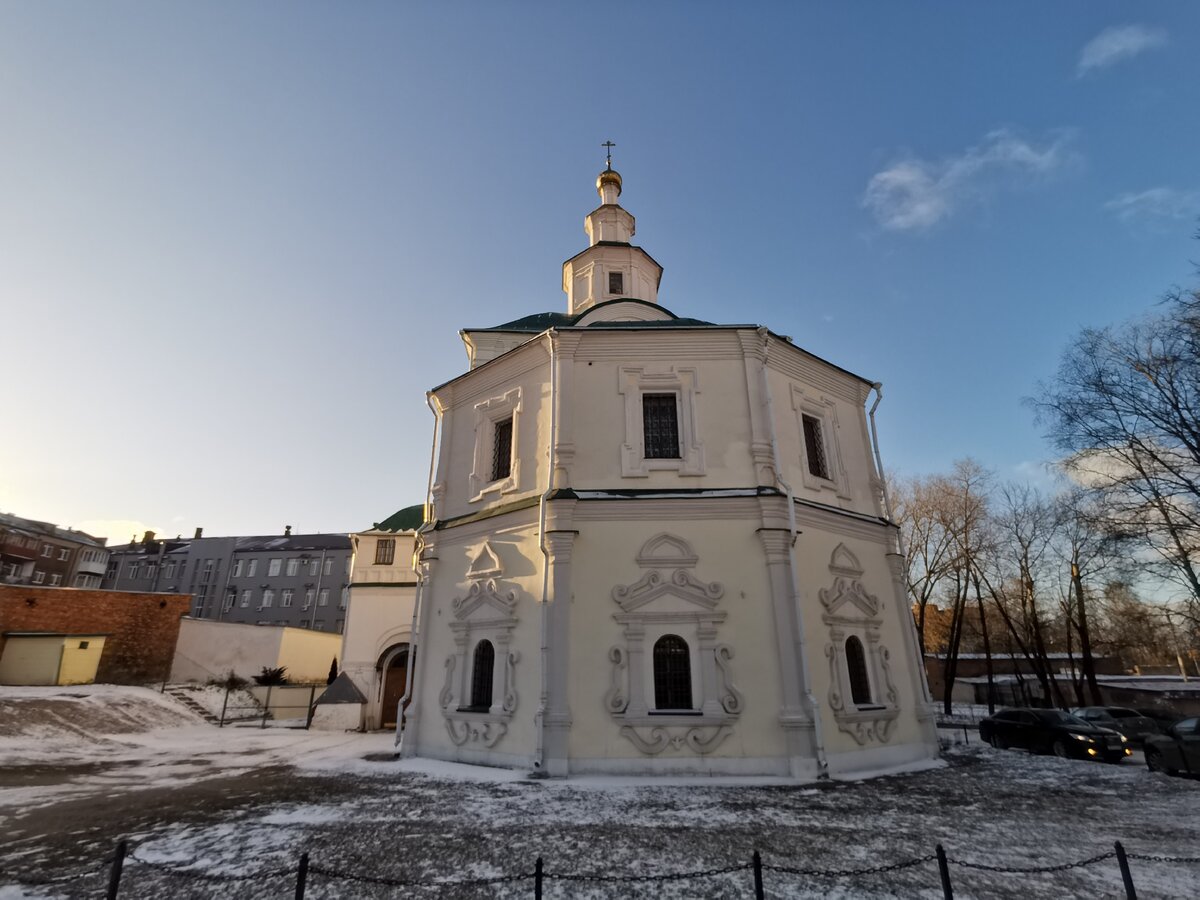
(213, 649)
(142, 628)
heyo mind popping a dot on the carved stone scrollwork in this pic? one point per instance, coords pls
(732, 700)
(510, 695)
(617, 697)
(835, 696)
(654, 740)
(446, 697)
(852, 614)
(483, 732)
(885, 657)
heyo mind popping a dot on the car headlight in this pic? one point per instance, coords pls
(1124, 740)
(1083, 737)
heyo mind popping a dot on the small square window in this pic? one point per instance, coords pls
(814, 446)
(83, 645)
(385, 551)
(616, 282)
(502, 449)
(660, 426)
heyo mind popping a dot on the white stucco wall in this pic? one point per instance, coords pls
(209, 649)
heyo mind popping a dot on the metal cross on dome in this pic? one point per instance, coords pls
(608, 145)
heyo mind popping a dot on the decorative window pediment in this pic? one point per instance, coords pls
(669, 608)
(862, 696)
(485, 615)
(485, 564)
(483, 594)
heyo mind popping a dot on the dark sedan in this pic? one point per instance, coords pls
(1128, 722)
(1053, 731)
(1177, 749)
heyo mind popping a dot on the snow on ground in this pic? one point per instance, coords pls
(239, 805)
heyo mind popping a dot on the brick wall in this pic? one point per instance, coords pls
(142, 627)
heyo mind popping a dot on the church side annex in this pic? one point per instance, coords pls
(656, 545)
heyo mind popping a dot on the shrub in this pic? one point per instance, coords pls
(275, 676)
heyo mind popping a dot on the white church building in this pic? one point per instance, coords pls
(656, 545)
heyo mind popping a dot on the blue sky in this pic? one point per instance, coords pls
(237, 240)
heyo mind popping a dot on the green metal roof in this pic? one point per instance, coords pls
(408, 519)
(539, 322)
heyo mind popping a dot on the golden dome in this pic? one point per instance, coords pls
(608, 176)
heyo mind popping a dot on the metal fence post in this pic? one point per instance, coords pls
(944, 871)
(302, 876)
(266, 708)
(114, 875)
(758, 885)
(1126, 875)
(224, 706)
(537, 879)
(312, 694)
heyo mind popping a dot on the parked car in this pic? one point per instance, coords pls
(1162, 717)
(1128, 722)
(1053, 731)
(1177, 749)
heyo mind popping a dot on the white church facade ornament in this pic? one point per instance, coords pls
(670, 620)
(862, 696)
(657, 545)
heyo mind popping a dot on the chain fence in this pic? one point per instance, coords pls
(118, 868)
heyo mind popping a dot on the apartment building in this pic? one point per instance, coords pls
(301, 580)
(42, 553)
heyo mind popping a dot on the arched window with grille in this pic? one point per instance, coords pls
(482, 664)
(672, 673)
(856, 665)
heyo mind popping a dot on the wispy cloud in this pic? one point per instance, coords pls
(915, 194)
(1118, 43)
(1155, 204)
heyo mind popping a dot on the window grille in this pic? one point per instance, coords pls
(856, 663)
(385, 551)
(672, 673)
(502, 449)
(814, 445)
(481, 676)
(660, 424)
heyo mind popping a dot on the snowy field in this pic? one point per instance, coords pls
(226, 813)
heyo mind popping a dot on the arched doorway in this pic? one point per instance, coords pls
(393, 677)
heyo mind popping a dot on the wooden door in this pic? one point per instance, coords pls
(394, 681)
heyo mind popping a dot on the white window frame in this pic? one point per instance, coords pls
(274, 567)
(824, 410)
(237, 569)
(314, 568)
(251, 568)
(684, 383)
(309, 596)
(285, 597)
(246, 595)
(55, 579)
(323, 597)
(329, 565)
(268, 599)
(293, 567)
(47, 551)
(39, 577)
(63, 554)
(488, 414)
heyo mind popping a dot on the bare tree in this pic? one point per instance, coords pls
(919, 508)
(1125, 410)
